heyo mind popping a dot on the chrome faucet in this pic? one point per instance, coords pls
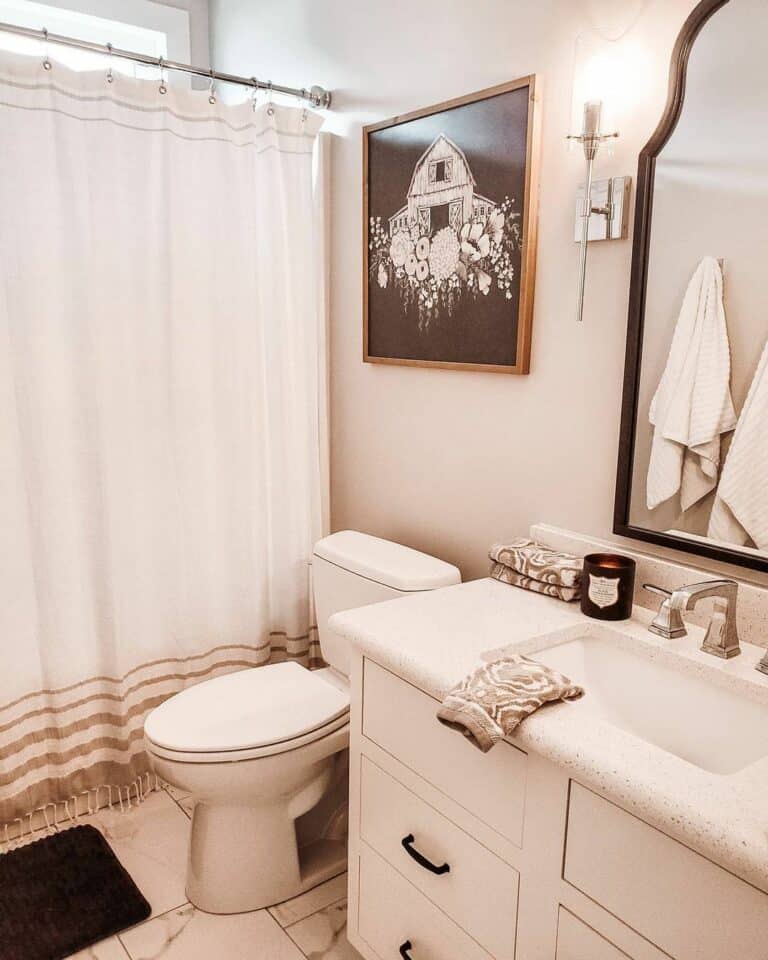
(721, 638)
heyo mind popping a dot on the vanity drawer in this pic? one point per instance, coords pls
(674, 897)
(479, 891)
(393, 912)
(402, 720)
(577, 941)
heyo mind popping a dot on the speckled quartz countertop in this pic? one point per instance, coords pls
(434, 639)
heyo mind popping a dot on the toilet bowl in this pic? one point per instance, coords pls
(263, 751)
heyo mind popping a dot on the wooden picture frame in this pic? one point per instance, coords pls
(409, 296)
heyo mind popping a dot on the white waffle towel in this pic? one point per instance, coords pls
(692, 406)
(740, 511)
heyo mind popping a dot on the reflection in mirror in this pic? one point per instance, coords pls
(699, 466)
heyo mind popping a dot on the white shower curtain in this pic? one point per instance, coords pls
(162, 418)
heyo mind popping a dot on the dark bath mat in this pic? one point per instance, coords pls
(62, 894)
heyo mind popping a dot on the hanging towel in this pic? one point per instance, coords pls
(490, 703)
(740, 510)
(692, 406)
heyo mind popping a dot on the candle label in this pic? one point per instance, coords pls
(603, 591)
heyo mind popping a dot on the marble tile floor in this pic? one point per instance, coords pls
(151, 842)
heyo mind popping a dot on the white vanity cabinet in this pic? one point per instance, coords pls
(459, 854)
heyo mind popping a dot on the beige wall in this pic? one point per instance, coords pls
(450, 461)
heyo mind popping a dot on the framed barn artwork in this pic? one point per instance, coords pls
(449, 207)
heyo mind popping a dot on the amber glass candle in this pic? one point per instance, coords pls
(607, 586)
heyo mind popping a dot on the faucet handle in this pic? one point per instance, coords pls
(668, 622)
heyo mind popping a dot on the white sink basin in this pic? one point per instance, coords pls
(656, 700)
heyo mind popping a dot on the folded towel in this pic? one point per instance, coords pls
(692, 406)
(487, 705)
(740, 510)
(538, 562)
(515, 579)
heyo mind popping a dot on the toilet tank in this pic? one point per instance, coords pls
(351, 569)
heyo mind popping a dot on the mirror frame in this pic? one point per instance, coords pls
(638, 282)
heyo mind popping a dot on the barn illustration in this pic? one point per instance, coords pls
(441, 193)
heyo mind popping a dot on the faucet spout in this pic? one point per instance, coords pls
(686, 598)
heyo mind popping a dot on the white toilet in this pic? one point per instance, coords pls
(263, 751)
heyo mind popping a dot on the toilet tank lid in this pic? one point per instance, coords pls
(387, 563)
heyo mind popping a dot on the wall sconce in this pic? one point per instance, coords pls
(613, 211)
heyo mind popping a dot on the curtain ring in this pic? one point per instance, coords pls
(270, 107)
(162, 88)
(211, 89)
(110, 75)
(47, 65)
(254, 93)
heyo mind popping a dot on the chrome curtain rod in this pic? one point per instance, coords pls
(317, 96)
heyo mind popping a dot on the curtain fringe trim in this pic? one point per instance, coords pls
(63, 814)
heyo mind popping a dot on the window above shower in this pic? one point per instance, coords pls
(137, 25)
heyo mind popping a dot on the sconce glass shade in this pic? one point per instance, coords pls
(614, 72)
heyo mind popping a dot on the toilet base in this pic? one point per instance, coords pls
(265, 828)
(228, 874)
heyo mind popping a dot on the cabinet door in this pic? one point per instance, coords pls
(678, 900)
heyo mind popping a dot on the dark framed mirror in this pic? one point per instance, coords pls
(693, 450)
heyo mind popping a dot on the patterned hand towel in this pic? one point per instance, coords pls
(538, 564)
(508, 575)
(490, 703)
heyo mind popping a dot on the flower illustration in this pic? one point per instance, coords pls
(475, 243)
(400, 247)
(495, 226)
(435, 274)
(483, 282)
(444, 254)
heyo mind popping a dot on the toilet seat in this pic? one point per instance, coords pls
(251, 713)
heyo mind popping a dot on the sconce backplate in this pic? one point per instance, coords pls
(611, 195)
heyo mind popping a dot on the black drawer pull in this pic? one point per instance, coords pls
(405, 950)
(422, 861)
